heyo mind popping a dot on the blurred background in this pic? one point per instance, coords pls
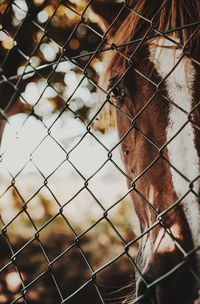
(64, 205)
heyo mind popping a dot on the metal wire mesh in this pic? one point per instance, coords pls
(42, 43)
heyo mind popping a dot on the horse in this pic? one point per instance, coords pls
(151, 82)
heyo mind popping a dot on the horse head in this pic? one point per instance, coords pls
(151, 76)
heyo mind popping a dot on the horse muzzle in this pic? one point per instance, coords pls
(165, 283)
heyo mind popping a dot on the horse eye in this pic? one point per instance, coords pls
(116, 89)
(117, 92)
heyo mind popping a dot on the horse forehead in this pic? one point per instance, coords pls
(171, 64)
(178, 75)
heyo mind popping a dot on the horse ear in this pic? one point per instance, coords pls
(104, 12)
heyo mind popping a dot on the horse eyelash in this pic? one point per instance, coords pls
(117, 91)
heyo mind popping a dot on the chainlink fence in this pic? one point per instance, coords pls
(68, 230)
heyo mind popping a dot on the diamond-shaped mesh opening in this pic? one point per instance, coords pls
(29, 182)
(106, 240)
(72, 283)
(38, 263)
(76, 211)
(126, 228)
(15, 230)
(64, 19)
(114, 187)
(110, 286)
(37, 290)
(62, 236)
(65, 184)
(42, 207)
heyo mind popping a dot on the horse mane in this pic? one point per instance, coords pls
(179, 17)
(163, 16)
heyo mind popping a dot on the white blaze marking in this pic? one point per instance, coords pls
(151, 194)
(164, 242)
(182, 151)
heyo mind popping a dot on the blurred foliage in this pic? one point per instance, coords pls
(51, 31)
(68, 265)
(62, 244)
(31, 263)
(47, 69)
